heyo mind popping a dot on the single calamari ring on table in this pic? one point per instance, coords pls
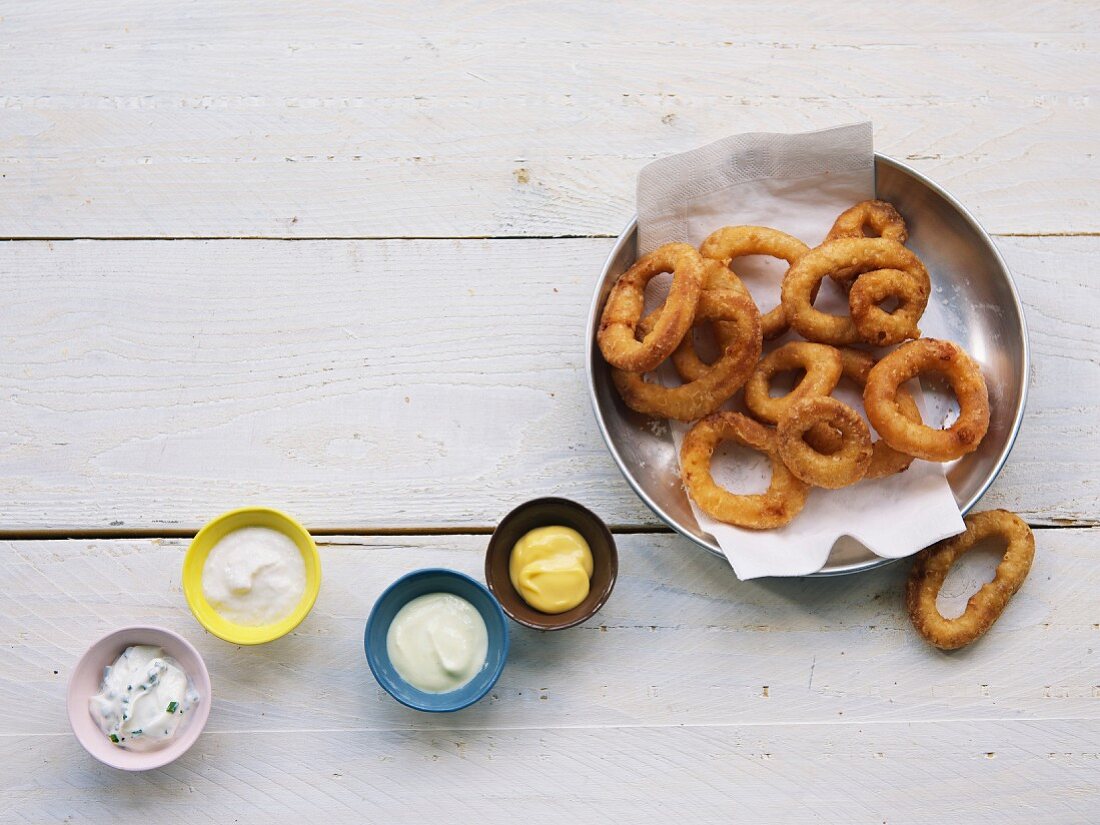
(920, 357)
(856, 254)
(721, 380)
(875, 219)
(885, 460)
(732, 242)
(876, 325)
(844, 466)
(985, 607)
(784, 497)
(685, 357)
(625, 304)
(821, 364)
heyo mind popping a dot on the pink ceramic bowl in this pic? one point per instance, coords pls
(88, 675)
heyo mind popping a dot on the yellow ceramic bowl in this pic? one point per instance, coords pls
(210, 535)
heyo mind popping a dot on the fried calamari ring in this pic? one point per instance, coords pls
(876, 325)
(885, 460)
(685, 357)
(846, 465)
(626, 302)
(784, 497)
(721, 380)
(733, 242)
(856, 254)
(821, 364)
(985, 607)
(874, 218)
(917, 358)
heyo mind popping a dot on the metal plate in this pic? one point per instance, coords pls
(984, 315)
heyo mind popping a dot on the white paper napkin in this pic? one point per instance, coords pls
(799, 184)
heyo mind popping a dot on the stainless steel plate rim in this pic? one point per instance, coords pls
(627, 236)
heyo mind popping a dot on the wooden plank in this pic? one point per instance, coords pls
(680, 642)
(355, 123)
(690, 689)
(1056, 279)
(563, 167)
(396, 384)
(916, 772)
(386, 384)
(79, 23)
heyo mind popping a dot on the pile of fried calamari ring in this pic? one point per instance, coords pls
(810, 438)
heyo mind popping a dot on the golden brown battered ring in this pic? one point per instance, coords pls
(625, 304)
(917, 358)
(784, 497)
(873, 218)
(885, 460)
(821, 364)
(685, 358)
(856, 254)
(876, 325)
(985, 607)
(846, 465)
(732, 242)
(722, 378)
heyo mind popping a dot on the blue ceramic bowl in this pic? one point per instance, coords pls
(420, 583)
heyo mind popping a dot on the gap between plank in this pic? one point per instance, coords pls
(561, 237)
(638, 726)
(320, 532)
(381, 532)
(51, 238)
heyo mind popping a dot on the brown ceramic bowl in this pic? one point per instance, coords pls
(547, 512)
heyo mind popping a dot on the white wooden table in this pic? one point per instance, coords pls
(336, 258)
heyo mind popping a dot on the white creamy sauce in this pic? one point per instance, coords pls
(254, 576)
(437, 642)
(144, 698)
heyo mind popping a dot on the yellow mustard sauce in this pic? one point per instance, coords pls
(551, 568)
